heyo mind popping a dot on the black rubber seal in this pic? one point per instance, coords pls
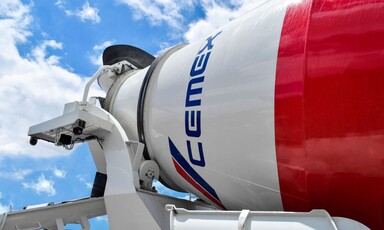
(116, 53)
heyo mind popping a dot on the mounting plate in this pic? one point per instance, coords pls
(80, 122)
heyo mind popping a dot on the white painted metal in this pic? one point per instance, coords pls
(110, 71)
(138, 158)
(237, 111)
(182, 219)
(124, 95)
(97, 122)
(60, 224)
(98, 156)
(99, 72)
(149, 170)
(84, 223)
(242, 219)
(120, 197)
(107, 78)
(156, 205)
(124, 103)
(3, 218)
(54, 216)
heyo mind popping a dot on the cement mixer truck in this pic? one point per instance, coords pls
(275, 121)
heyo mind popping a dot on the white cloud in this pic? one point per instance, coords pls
(216, 16)
(60, 4)
(164, 47)
(39, 53)
(102, 218)
(86, 13)
(218, 13)
(89, 13)
(42, 185)
(88, 185)
(59, 173)
(82, 179)
(13, 25)
(96, 58)
(159, 11)
(3, 208)
(15, 175)
(32, 90)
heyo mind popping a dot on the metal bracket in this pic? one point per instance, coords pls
(80, 122)
(84, 223)
(242, 218)
(145, 171)
(117, 69)
(33, 228)
(137, 158)
(149, 170)
(60, 224)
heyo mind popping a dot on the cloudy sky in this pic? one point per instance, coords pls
(48, 50)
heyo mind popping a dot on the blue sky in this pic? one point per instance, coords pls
(48, 50)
